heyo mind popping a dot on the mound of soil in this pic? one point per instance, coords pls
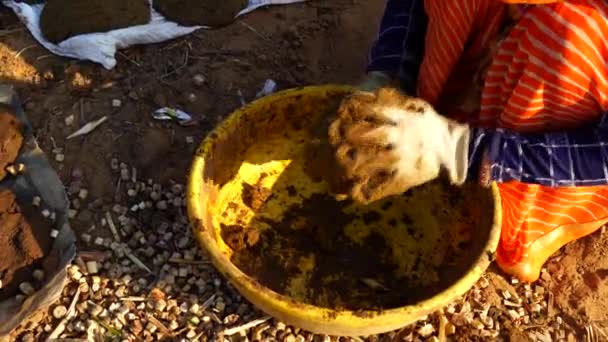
(212, 13)
(62, 19)
(10, 139)
(24, 243)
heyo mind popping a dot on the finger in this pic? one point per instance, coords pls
(367, 134)
(368, 162)
(335, 132)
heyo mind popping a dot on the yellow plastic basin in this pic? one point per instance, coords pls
(264, 145)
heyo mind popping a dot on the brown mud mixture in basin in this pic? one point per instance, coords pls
(212, 13)
(11, 139)
(24, 243)
(286, 231)
(62, 19)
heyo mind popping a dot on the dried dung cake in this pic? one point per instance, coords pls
(62, 19)
(24, 243)
(212, 13)
(10, 139)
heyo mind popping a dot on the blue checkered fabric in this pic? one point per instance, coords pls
(399, 48)
(572, 158)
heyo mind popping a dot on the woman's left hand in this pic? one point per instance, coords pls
(388, 143)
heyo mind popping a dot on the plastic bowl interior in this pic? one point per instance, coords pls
(315, 262)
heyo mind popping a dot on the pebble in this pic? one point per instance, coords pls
(59, 311)
(161, 205)
(173, 325)
(160, 305)
(83, 194)
(27, 288)
(38, 274)
(116, 103)
(426, 330)
(94, 309)
(92, 267)
(36, 201)
(198, 80)
(124, 174)
(69, 120)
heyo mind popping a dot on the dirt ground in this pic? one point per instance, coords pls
(303, 44)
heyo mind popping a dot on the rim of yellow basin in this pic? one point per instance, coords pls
(307, 316)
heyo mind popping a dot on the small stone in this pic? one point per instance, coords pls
(114, 164)
(27, 288)
(93, 309)
(220, 306)
(160, 305)
(161, 205)
(72, 213)
(198, 80)
(36, 201)
(83, 194)
(124, 174)
(151, 327)
(189, 139)
(194, 309)
(131, 192)
(59, 157)
(191, 97)
(426, 330)
(92, 267)
(513, 314)
(536, 307)
(191, 334)
(450, 329)
(155, 196)
(194, 320)
(173, 325)
(38, 274)
(59, 311)
(136, 327)
(69, 120)
(54, 233)
(116, 103)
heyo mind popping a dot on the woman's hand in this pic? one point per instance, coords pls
(388, 143)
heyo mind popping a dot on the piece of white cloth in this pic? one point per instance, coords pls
(101, 47)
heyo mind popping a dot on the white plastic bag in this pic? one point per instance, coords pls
(101, 47)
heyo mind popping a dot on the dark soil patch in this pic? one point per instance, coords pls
(212, 13)
(62, 19)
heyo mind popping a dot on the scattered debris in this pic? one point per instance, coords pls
(268, 88)
(166, 113)
(88, 128)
